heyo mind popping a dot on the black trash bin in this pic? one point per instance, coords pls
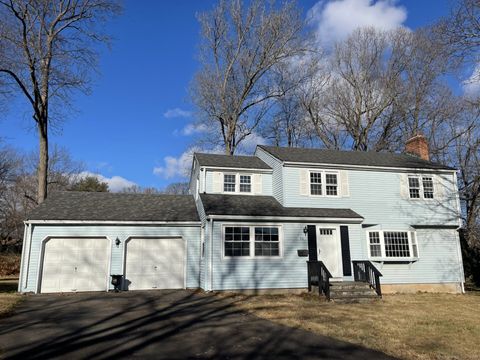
(117, 282)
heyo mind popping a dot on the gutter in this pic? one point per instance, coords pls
(286, 218)
(112, 222)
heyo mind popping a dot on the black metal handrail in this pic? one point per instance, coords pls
(365, 271)
(319, 275)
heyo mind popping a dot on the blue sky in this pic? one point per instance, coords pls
(135, 126)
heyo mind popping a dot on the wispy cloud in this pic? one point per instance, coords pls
(180, 166)
(177, 113)
(115, 183)
(192, 129)
(335, 20)
(471, 86)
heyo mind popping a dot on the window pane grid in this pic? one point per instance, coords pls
(332, 184)
(396, 244)
(427, 187)
(237, 241)
(245, 183)
(375, 247)
(229, 183)
(267, 241)
(315, 183)
(414, 187)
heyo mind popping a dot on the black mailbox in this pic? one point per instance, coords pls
(302, 252)
(117, 281)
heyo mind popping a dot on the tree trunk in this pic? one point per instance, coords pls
(42, 163)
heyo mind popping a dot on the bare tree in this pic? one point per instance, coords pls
(239, 52)
(48, 52)
(178, 188)
(366, 71)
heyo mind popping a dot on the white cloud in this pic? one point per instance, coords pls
(248, 145)
(180, 166)
(115, 183)
(177, 113)
(192, 129)
(336, 19)
(471, 86)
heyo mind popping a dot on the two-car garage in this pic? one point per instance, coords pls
(82, 264)
(150, 249)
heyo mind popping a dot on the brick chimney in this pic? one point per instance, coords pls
(418, 146)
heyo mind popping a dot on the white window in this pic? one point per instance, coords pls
(229, 182)
(316, 183)
(237, 241)
(245, 183)
(323, 183)
(392, 244)
(237, 183)
(267, 242)
(251, 241)
(420, 187)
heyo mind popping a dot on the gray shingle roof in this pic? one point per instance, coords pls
(233, 161)
(71, 205)
(219, 204)
(365, 158)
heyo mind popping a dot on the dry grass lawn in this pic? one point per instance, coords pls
(418, 326)
(8, 296)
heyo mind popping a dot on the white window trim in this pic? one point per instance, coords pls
(324, 183)
(252, 227)
(411, 240)
(422, 193)
(237, 183)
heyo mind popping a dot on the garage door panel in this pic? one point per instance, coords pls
(155, 263)
(75, 264)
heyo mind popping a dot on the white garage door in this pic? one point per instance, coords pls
(78, 264)
(155, 264)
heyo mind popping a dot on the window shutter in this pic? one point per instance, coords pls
(344, 188)
(217, 182)
(404, 193)
(304, 182)
(257, 184)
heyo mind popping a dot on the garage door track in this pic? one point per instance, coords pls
(159, 325)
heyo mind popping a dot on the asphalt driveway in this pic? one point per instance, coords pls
(157, 325)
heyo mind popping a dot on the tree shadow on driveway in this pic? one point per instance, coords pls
(159, 324)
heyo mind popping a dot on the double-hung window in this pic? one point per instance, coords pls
(420, 187)
(323, 183)
(251, 241)
(392, 245)
(245, 183)
(229, 182)
(237, 183)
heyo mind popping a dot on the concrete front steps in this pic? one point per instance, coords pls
(352, 292)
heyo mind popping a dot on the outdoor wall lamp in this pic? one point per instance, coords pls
(305, 230)
(117, 241)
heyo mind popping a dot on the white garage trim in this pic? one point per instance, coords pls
(42, 256)
(124, 254)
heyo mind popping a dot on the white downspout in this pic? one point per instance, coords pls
(210, 265)
(459, 247)
(22, 262)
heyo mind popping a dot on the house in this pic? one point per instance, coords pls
(252, 222)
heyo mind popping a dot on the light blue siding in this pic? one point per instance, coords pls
(191, 234)
(375, 195)
(277, 175)
(439, 261)
(266, 181)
